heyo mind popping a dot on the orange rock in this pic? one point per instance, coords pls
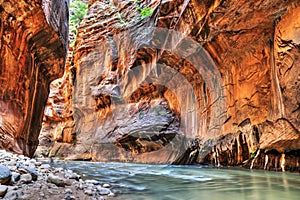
(33, 40)
(225, 73)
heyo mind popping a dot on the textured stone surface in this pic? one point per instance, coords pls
(5, 174)
(33, 39)
(223, 89)
(3, 190)
(41, 181)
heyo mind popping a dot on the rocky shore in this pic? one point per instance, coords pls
(25, 178)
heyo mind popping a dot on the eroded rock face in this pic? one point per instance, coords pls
(33, 39)
(194, 81)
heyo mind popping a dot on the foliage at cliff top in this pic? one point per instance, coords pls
(78, 11)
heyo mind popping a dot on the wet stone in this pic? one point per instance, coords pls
(103, 191)
(71, 175)
(106, 185)
(94, 182)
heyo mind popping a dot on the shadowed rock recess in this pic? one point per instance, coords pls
(210, 82)
(33, 41)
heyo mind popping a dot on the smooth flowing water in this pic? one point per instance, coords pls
(165, 182)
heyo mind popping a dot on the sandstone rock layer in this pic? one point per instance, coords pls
(33, 40)
(189, 82)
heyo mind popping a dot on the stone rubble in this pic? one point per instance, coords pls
(25, 178)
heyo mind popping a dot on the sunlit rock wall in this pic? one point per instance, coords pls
(192, 82)
(33, 41)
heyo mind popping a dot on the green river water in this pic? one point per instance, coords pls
(165, 182)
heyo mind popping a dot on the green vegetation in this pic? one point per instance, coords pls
(78, 11)
(146, 12)
(253, 154)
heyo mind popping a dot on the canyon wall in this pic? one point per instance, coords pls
(183, 82)
(33, 44)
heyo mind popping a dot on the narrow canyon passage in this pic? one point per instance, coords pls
(181, 87)
(188, 82)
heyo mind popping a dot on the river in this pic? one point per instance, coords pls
(166, 182)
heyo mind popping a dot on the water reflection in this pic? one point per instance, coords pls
(147, 182)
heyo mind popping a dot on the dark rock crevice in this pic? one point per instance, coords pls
(33, 49)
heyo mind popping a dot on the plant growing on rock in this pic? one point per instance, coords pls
(78, 11)
(253, 154)
(146, 12)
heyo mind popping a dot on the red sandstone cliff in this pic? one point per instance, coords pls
(193, 81)
(33, 41)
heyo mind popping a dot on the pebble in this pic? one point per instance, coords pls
(71, 175)
(26, 178)
(89, 185)
(19, 175)
(99, 198)
(103, 191)
(89, 192)
(21, 171)
(106, 185)
(68, 197)
(3, 190)
(15, 177)
(94, 182)
(5, 174)
(45, 166)
(58, 181)
(33, 172)
(13, 194)
(68, 191)
(111, 195)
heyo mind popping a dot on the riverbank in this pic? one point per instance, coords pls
(25, 178)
